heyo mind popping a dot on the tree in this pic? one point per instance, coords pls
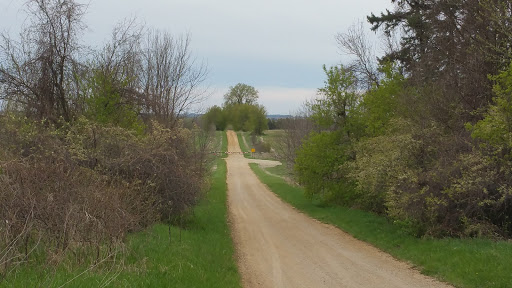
(257, 122)
(215, 116)
(354, 42)
(448, 48)
(380, 104)
(171, 79)
(336, 107)
(106, 105)
(38, 71)
(241, 94)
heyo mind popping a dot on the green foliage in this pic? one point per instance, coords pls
(380, 104)
(382, 164)
(461, 262)
(496, 127)
(319, 167)
(106, 106)
(241, 94)
(241, 117)
(215, 116)
(338, 99)
(403, 144)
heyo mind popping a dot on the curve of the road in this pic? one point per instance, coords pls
(277, 246)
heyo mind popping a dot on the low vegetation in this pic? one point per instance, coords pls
(80, 189)
(159, 256)
(461, 262)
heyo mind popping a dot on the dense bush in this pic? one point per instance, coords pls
(392, 153)
(240, 117)
(87, 185)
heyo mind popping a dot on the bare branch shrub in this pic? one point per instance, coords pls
(355, 42)
(36, 72)
(81, 188)
(296, 130)
(171, 77)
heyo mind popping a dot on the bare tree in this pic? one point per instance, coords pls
(171, 78)
(118, 64)
(120, 57)
(36, 71)
(296, 130)
(356, 43)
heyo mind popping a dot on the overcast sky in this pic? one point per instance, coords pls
(276, 46)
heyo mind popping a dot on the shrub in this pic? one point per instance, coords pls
(84, 186)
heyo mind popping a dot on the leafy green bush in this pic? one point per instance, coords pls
(383, 167)
(320, 168)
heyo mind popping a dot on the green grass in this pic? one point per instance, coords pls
(221, 143)
(241, 135)
(273, 136)
(203, 257)
(461, 262)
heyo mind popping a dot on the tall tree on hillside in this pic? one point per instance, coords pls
(241, 94)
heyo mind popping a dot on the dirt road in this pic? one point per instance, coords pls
(280, 247)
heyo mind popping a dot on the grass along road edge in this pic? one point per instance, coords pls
(461, 262)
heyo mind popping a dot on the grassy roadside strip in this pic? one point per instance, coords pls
(461, 262)
(221, 138)
(202, 258)
(241, 135)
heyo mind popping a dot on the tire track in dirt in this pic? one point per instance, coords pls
(277, 246)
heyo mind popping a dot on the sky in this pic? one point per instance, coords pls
(278, 47)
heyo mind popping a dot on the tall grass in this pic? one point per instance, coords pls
(221, 143)
(461, 262)
(241, 136)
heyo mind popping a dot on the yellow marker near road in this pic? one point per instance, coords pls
(253, 150)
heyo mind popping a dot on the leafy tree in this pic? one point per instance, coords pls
(215, 116)
(496, 127)
(319, 167)
(381, 103)
(337, 107)
(106, 105)
(257, 122)
(322, 156)
(244, 117)
(241, 94)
